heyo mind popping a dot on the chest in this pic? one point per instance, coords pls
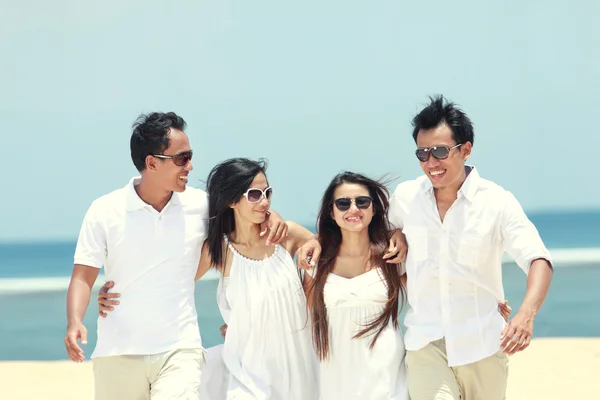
(144, 237)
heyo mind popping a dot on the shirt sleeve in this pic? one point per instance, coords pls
(395, 214)
(521, 239)
(91, 247)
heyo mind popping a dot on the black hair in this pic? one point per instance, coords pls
(151, 135)
(226, 184)
(440, 111)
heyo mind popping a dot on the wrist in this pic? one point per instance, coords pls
(528, 310)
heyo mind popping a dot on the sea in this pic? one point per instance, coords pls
(34, 278)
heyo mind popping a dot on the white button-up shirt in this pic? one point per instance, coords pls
(153, 258)
(454, 268)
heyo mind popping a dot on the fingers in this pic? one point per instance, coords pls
(314, 257)
(223, 330)
(105, 288)
(74, 352)
(400, 257)
(276, 234)
(507, 334)
(392, 251)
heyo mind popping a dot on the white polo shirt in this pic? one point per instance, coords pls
(152, 257)
(454, 268)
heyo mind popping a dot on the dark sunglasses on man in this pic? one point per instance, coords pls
(179, 159)
(439, 152)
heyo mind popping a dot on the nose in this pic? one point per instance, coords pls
(432, 162)
(353, 206)
(189, 166)
(264, 202)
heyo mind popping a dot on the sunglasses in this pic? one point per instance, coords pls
(439, 152)
(344, 203)
(254, 195)
(180, 159)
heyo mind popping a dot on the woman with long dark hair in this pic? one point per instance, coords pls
(355, 296)
(267, 352)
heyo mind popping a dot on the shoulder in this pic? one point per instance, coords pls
(196, 199)
(115, 200)
(409, 189)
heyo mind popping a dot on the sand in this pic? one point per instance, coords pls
(551, 369)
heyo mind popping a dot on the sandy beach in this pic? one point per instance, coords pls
(551, 369)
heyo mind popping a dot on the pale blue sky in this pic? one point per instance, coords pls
(315, 86)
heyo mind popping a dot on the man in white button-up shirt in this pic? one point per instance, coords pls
(148, 236)
(458, 225)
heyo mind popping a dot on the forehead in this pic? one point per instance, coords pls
(350, 190)
(440, 135)
(259, 181)
(178, 142)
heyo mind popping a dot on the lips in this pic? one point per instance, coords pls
(438, 173)
(354, 219)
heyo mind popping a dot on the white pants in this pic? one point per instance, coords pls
(171, 375)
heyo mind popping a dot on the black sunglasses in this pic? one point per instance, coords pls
(439, 152)
(344, 203)
(180, 159)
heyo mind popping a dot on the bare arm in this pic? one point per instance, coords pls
(78, 299)
(538, 285)
(80, 288)
(205, 262)
(297, 236)
(308, 286)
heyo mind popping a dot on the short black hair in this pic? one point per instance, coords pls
(440, 111)
(151, 135)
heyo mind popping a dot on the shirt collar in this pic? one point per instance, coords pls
(468, 188)
(471, 184)
(134, 202)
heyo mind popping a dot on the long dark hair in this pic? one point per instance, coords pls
(226, 184)
(330, 238)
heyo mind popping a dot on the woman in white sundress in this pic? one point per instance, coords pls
(268, 351)
(355, 296)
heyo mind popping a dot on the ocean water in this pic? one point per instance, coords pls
(34, 278)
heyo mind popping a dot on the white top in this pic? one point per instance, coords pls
(268, 350)
(353, 371)
(454, 268)
(152, 257)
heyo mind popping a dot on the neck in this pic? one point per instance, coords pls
(355, 244)
(450, 193)
(246, 233)
(153, 195)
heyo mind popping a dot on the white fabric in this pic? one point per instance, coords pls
(268, 351)
(454, 268)
(153, 258)
(353, 371)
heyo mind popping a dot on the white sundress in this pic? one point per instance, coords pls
(353, 371)
(268, 352)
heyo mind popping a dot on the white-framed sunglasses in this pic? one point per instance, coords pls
(254, 195)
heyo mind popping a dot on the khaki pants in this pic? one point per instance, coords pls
(171, 375)
(430, 377)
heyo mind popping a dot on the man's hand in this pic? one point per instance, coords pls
(398, 248)
(516, 336)
(276, 227)
(308, 255)
(223, 330)
(75, 331)
(105, 303)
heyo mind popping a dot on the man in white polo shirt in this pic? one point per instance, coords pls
(148, 236)
(458, 226)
